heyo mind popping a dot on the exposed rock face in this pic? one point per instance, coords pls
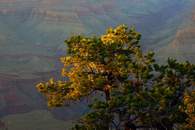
(32, 34)
(3, 125)
(35, 30)
(184, 38)
(18, 95)
(182, 46)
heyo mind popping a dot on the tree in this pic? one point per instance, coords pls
(189, 108)
(137, 92)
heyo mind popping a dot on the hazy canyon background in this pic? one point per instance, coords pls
(32, 34)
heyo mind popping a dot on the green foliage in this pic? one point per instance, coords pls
(138, 93)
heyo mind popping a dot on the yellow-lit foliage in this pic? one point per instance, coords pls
(89, 61)
(189, 102)
(119, 35)
(132, 84)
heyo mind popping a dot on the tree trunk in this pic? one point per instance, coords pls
(107, 97)
(107, 92)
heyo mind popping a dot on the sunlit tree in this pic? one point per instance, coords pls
(136, 91)
(189, 108)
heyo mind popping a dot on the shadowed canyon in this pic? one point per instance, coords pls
(32, 34)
